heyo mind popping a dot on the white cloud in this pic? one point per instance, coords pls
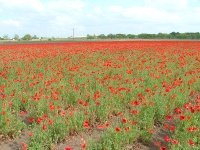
(10, 22)
(65, 5)
(42, 7)
(99, 16)
(63, 13)
(168, 4)
(146, 14)
(57, 13)
(63, 21)
(31, 5)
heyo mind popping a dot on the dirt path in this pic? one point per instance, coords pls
(77, 141)
(157, 137)
(15, 144)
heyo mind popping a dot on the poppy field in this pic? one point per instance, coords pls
(102, 95)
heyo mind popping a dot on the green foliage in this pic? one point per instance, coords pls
(172, 35)
(35, 37)
(102, 36)
(16, 37)
(91, 36)
(6, 37)
(27, 37)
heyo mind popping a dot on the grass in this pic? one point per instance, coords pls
(126, 92)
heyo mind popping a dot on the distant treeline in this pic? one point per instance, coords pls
(172, 35)
(26, 37)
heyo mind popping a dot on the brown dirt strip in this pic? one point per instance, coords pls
(15, 144)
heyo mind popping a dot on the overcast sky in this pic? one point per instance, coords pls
(58, 17)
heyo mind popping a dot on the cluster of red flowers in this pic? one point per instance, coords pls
(70, 87)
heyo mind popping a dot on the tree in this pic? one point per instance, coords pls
(101, 36)
(90, 36)
(173, 35)
(16, 37)
(162, 36)
(120, 36)
(27, 37)
(131, 36)
(110, 36)
(5, 37)
(35, 37)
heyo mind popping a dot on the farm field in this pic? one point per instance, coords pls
(100, 95)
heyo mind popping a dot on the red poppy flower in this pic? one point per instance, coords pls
(86, 124)
(24, 146)
(169, 117)
(117, 129)
(163, 148)
(124, 120)
(167, 138)
(129, 71)
(68, 148)
(191, 142)
(175, 142)
(178, 111)
(172, 128)
(182, 118)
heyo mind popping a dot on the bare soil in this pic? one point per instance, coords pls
(15, 144)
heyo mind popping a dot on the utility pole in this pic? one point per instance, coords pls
(73, 33)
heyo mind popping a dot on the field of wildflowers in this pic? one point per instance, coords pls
(119, 92)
